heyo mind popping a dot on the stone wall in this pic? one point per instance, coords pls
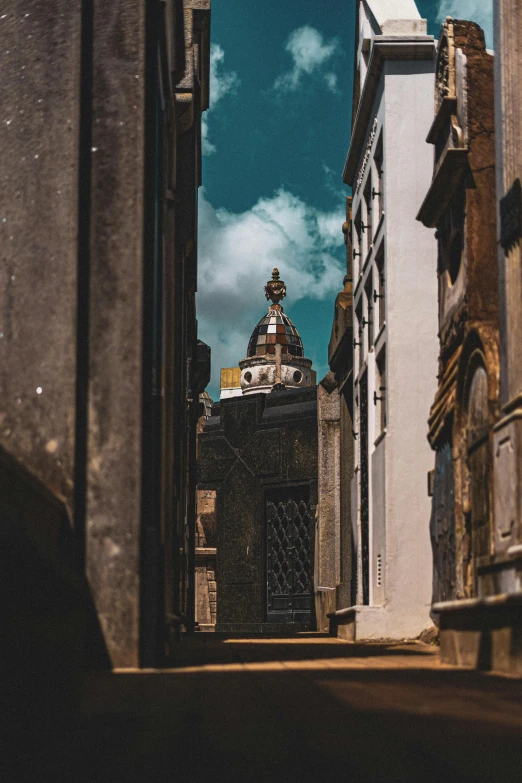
(252, 446)
(328, 535)
(458, 205)
(98, 227)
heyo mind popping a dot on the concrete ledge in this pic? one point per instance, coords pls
(482, 633)
(342, 623)
(465, 604)
(358, 623)
(340, 613)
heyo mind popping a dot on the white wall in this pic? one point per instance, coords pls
(399, 462)
(412, 343)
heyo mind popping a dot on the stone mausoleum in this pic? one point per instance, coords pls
(466, 404)
(258, 453)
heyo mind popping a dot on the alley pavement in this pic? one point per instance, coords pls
(309, 708)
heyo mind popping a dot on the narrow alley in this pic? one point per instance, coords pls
(234, 510)
(307, 708)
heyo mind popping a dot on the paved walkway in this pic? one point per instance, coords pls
(303, 709)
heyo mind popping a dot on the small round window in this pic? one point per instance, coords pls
(248, 377)
(298, 376)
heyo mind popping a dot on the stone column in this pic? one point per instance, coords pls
(508, 431)
(328, 536)
(114, 448)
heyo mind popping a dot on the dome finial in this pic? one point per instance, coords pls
(275, 289)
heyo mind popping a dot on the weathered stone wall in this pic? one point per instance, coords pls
(39, 138)
(114, 446)
(458, 203)
(508, 433)
(328, 535)
(251, 445)
(96, 405)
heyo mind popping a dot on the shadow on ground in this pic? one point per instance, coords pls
(277, 710)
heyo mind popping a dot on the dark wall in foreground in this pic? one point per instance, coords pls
(100, 138)
(50, 630)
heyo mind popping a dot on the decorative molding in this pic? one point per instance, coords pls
(445, 80)
(367, 152)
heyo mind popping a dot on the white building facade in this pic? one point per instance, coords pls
(395, 348)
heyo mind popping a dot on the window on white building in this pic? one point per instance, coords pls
(377, 181)
(357, 244)
(368, 323)
(379, 396)
(368, 228)
(379, 289)
(358, 338)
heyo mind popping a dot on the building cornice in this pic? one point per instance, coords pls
(416, 47)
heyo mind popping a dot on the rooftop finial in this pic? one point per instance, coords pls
(275, 289)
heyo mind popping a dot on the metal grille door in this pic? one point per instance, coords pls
(289, 559)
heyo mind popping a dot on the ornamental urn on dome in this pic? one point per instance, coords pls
(275, 357)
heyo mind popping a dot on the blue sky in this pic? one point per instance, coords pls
(275, 141)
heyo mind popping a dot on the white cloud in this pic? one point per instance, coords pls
(479, 11)
(333, 183)
(221, 83)
(331, 81)
(207, 147)
(310, 53)
(237, 253)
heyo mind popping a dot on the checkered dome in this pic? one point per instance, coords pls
(275, 327)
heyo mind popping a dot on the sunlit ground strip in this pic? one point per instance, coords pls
(317, 664)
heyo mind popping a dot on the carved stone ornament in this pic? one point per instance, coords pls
(275, 289)
(445, 82)
(367, 152)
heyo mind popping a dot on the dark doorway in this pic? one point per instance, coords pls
(289, 550)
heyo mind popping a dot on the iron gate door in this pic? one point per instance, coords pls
(289, 557)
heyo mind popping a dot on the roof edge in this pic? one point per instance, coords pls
(415, 47)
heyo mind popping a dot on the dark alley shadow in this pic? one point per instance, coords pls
(273, 725)
(381, 714)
